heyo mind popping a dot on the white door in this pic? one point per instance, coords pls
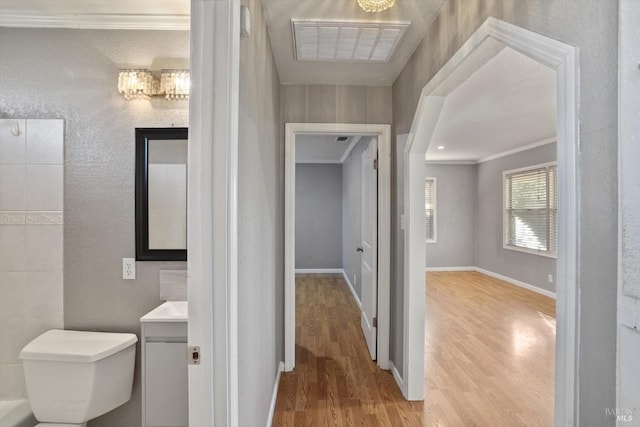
(369, 247)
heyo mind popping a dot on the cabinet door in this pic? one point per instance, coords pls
(166, 387)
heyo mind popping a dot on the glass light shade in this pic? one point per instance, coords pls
(134, 84)
(175, 84)
(375, 5)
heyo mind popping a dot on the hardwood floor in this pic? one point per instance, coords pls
(489, 355)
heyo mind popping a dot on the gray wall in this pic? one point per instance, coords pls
(336, 104)
(352, 214)
(72, 75)
(455, 216)
(318, 216)
(260, 224)
(592, 26)
(469, 224)
(490, 253)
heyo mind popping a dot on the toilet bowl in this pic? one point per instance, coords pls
(72, 377)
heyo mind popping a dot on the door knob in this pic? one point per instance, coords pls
(359, 250)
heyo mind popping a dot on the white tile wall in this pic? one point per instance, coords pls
(43, 248)
(31, 239)
(12, 248)
(12, 294)
(12, 148)
(45, 142)
(12, 187)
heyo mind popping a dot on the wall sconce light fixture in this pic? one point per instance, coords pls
(174, 84)
(141, 84)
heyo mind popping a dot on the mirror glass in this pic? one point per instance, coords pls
(161, 194)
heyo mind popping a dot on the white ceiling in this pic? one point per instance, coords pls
(279, 13)
(507, 104)
(323, 148)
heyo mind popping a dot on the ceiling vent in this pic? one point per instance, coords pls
(342, 139)
(346, 41)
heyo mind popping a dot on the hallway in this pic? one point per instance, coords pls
(335, 382)
(489, 359)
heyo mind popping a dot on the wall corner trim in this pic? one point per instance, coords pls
(353, 291)
(274, 396)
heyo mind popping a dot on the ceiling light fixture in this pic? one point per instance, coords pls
(375, 5)
(440, 147)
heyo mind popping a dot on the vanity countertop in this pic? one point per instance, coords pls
(170, 311)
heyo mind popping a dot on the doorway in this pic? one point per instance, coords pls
(490, 39)
(381, 267)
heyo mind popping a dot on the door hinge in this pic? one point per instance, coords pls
(375, 164)
(375, 322)
(193, 355)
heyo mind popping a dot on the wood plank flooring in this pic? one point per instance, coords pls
(489, 355)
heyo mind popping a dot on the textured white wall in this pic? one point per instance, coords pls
(72, 75)
(260, 224)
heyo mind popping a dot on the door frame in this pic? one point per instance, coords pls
(484, 44)
(212, 210)
(383, 132)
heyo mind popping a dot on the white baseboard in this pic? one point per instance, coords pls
(450, 269)
(318, 270)
(397, 377)
(353, 291)
(517, 283)
(272, 406)
(510, 280)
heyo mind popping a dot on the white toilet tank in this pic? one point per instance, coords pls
(75, 376)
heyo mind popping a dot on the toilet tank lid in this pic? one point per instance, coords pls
(76, 346)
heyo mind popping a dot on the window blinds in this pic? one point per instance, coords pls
(430, 207)
(531, 209)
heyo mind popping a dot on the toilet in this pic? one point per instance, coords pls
(74, 376)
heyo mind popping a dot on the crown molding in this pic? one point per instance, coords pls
(520, 149)
(495, 156)
(451, 162)
(33, 19)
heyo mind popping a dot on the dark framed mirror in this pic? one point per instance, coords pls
(161, 194)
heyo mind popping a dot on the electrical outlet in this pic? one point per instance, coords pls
(550, 278)
(128, 268)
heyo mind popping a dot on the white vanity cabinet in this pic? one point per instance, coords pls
(165, 391)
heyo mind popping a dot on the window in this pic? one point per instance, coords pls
(531, 209)
(430, 208)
